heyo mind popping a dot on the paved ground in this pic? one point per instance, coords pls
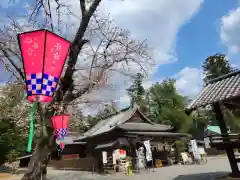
(216, 167)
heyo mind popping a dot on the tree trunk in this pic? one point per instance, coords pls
(37, 168)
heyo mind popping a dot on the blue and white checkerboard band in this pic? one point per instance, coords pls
(37, 85)
(60, 133)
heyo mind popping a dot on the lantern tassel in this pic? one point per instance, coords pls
(31, 125)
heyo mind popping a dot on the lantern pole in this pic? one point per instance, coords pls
(31, 125)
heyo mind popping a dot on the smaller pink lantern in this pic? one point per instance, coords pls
(60, 124)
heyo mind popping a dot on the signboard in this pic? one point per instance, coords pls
(194, 149)
(104, 157)
(148, 150)
(207, 142)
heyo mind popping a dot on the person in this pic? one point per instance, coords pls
(128, 166)
(154, 153)
(117, 165)
(100, 166)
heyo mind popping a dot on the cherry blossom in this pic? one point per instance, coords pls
(30, 51)
(28, 40)
(58, 46)
(56, 55)
(35, 45)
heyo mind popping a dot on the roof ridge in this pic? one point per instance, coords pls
(132, 110)
(224, 77)
(89, 132)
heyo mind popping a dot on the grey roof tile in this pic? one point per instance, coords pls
(144, 127)
(220, 89)
(108, 124)
(114, 121)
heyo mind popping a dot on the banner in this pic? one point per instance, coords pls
(195, 149)
(207, 142)
(148, 150)
(104, 157)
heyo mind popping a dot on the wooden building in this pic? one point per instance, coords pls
(124, 130)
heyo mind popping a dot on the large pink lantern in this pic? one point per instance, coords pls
(43, 54)
(60, 124)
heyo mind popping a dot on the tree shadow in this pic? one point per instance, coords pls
(202, 176)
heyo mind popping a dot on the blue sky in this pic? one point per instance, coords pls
(200, 37)
(181, 34)
(191, 31)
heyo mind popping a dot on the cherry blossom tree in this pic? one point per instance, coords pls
(99, 51)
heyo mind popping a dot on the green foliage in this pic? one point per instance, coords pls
(12, 128)
(92, 121)
(107, 111)
(167, 105)
(215, 66)
(179, 147)
(83, 123)
(202, 118)
(136, 91)
(233, 120)
(10, 103)
(11, 140)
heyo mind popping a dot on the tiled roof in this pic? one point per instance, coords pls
(115, 121)
(144, 127)
(219, 89)
(111, 122)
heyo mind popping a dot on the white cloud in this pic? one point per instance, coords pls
(125, 99)
(230, 27)
(158, 21)
(189, 81)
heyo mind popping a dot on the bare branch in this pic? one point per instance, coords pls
(50, 15)
(12, 63)
(109, 48)
(35, 11)
(83, 7)
(75, 49)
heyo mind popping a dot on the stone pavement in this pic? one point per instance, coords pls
(216, 167)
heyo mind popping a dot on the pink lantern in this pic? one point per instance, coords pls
(60, 124)
(60, 121)
(43, 54)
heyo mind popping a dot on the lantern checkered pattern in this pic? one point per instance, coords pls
(36, 84)
(60, 133)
